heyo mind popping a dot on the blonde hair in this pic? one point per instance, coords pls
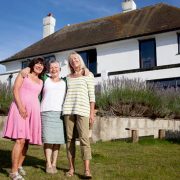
(82, 64)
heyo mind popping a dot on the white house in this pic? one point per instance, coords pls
(137, 43)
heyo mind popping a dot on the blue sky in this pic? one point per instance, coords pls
(21, 20)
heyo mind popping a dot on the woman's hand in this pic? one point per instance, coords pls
(23, 112)
(91, 120)
(91, 117)
(25, 72)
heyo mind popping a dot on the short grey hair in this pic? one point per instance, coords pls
(52, 61)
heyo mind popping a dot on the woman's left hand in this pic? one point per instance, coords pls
(91, 121)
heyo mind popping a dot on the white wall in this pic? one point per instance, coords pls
(62, 57)
(167, 49)
(124, 55)
(13, 66)
(151, 75)
(118, 56)
(4, 78)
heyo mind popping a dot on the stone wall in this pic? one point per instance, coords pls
(109, 128)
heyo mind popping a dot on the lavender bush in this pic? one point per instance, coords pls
(6, 97)
(125, 97)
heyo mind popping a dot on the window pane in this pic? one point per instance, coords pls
(90, 59)
(47, 59)
(166, 83)
(178, 43)
(147, 53)
(93, 61)
(85, 58)
(25, 64)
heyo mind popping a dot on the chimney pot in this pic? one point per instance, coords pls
(50, 14)
(48, 25)
(128, 5)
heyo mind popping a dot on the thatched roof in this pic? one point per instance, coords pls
(149, 20)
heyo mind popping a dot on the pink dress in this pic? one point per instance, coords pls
(30, 128)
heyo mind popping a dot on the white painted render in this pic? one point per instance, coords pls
(13, 66)
(118, 56)
(49, 23)
(167, 48)
(124, 55)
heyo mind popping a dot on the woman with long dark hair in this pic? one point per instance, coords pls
(24, 122)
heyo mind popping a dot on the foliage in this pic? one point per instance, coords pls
(125, 97)
(6, 97)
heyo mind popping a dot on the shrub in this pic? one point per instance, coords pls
(6, 97)
(125, 97)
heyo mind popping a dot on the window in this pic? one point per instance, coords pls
(166, 83)
(47, 59)
(178, 36)
(90, 59)
(147, 53)
(25, 63)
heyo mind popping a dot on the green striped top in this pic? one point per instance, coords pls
(80, 92)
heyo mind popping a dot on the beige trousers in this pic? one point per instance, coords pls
(80, 124)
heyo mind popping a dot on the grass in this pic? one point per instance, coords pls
(149, 159)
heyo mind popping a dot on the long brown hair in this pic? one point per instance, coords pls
(36, 61)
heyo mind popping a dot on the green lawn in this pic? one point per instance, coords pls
(149, 159)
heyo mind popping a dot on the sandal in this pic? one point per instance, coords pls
(49, 170)
(54, 169)
(16, 176)
(87, 174)
(70, 173)
(21, 171)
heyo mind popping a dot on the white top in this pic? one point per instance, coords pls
(53, 95)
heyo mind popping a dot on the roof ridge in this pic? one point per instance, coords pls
(113, 15)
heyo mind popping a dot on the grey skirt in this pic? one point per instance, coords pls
(52, 128)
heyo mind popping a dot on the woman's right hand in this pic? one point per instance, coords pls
(23, 112)
(24, 72)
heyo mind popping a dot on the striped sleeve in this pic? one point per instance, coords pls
(91, 88)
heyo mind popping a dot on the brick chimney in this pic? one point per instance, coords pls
(128, 5)
(48, 25)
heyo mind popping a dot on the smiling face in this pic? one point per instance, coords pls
(38, 68)
(54, 69)
(75, 62)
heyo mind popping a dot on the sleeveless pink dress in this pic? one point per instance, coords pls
(30, 128)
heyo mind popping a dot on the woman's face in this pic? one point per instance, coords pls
(54, 69)
(75, 62)
(38, 68)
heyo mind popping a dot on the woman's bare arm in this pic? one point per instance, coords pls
(16, 91)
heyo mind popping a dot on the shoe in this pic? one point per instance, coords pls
(87, 174)
(49, 170)
(15, 176)
(21, 171)
(70, 173)
(54, 169)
